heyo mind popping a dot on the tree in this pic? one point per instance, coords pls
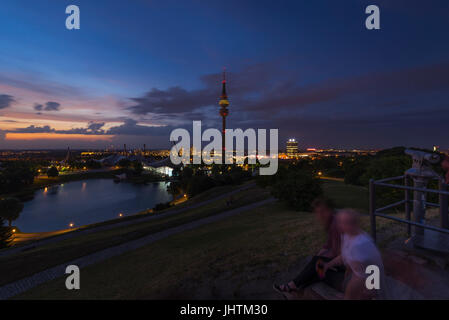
(124, 163)
(298, 189)
(92, 164)
(138, 167)
(162, 206)
(52, 172)
(198, 184)
(175, 188)
(5, 235)
(354, 169)
(385, 167)
(10, 209)
(15, 175)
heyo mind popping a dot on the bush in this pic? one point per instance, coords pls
(16, 175)
(385, 167)
(161, 206)
(138, 167)
(52, 172)
(198, 184)
(10, 209)
(298, 189)
(92, 164)
(5, 235)
(124, 163)
(354, 169)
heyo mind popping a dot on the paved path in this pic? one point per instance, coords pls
(20, 286)
(78, 232)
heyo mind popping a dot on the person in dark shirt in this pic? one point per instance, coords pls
(313, 271)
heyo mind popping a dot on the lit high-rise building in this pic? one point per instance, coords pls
(292, 148)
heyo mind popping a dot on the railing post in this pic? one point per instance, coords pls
(408, 208)
(444, 222)
(372, 208)
(419, 204)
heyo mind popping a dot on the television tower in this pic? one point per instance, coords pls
(224, 103)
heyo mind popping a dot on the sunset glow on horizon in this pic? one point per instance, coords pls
(56, 136)
(136, 73)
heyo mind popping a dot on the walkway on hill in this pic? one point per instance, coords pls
(59, 235)
(20, 286)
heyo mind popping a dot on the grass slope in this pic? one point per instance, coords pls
(213, 261)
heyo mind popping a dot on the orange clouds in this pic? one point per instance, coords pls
(56, 136)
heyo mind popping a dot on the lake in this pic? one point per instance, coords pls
(85, 202)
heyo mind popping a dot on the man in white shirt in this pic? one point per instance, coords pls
(358, 252)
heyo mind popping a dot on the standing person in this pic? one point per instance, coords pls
(358, 251)
(324, 210)
(445, 166)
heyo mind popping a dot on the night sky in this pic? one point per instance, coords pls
(138, 69)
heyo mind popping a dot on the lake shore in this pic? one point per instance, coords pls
(42, 181)
(77, 203)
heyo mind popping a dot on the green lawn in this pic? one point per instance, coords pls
(347, 196)
(169, 268)
(212, 261)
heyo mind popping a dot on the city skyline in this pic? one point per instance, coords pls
(132, 74)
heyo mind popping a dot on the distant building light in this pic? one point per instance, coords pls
(292, 148)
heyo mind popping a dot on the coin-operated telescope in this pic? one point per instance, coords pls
(421, 172)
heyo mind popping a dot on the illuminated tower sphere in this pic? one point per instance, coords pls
(224, 103)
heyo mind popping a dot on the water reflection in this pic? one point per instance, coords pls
(84, 202)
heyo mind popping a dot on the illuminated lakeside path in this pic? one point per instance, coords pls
(50, 237)
(12, 289)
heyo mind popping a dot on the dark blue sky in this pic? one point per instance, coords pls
(137, 69)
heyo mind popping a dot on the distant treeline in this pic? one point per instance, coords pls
(297, 182)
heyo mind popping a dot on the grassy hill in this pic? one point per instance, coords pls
(217, 260)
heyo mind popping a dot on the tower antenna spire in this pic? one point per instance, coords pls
(224, 96)
(224, 103)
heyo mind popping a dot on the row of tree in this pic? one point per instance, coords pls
(194, 179)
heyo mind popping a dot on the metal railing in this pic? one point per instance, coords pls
(442, 191)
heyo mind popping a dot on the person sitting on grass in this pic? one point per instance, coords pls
(313, 271)
(358, 251)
